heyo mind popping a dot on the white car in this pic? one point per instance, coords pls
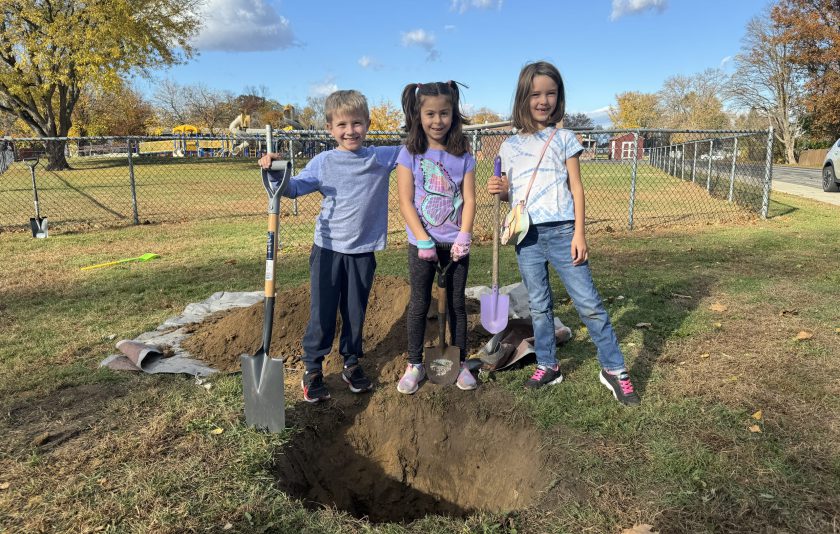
(717, 155)
(829, 171)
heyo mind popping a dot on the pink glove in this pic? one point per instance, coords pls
(461, 247)
(426, 250)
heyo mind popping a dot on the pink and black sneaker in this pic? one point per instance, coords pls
(621, 387)
(544, 376)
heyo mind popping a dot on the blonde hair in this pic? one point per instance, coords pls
(521, 116)
(346, 101)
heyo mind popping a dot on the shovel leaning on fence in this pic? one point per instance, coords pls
(494, 307)
(37, 223)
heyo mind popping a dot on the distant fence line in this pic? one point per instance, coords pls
(632, 178)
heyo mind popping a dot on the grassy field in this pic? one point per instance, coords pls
(732, 333)
(97, 193)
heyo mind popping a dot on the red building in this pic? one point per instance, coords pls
(621, 147)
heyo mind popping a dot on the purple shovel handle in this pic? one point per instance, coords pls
(497, 166)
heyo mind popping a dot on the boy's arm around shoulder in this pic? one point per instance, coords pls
(308, 180)
(387, 155)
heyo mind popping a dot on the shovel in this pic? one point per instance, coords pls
(494, 307)
(443, 363)
(262, 375)
(37, 223)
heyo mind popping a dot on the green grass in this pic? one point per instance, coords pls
(144, 460)
(97, 192)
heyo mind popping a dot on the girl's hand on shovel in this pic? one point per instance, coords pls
(498, 185)
(426, 250)
(461, 247)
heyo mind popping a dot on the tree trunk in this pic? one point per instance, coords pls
(55, 156)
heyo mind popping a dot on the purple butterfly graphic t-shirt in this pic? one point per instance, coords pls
(438, 176)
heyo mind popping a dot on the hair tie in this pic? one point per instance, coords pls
(419, 85)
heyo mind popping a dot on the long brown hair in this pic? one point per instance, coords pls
(412, 99)
(521, 116)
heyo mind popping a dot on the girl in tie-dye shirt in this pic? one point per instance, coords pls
(557, 234)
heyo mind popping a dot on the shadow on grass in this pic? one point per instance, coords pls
(654, 306)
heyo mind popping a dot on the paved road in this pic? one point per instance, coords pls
(798, 175)
(802, 182)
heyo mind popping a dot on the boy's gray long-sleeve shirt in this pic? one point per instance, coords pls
(354, 207)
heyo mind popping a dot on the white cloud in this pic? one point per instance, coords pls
(367, 62)
(243, 26)
(633, 7)
(424, 40)
(449, 27)
(323, 88)
(600, 116)
(461, 6)
(724, 61)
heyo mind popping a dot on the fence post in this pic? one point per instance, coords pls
(632, 205)
(694, 162)
(292, 159)
(131, 181)
(732, 172)
(682, 162)
(768, 175)
(709, 175)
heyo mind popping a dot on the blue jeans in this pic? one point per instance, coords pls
(551, 243)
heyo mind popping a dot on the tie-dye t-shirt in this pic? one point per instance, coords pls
(550, 199)
(438, 177)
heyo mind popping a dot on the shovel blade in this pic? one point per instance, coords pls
(442, 366)
(39, 227)
(494, 311)
(262, 384)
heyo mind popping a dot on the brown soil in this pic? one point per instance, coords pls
(396, 458)
(385, 456)
(222, 339)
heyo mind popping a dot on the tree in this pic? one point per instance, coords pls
(51, 50)
(209, 108)
(580, 121)
(171, 106)
(766, 81)
(195, 104)
(693, 102)
(386, 116)
(811, 28)
(484, 116)
(312, 116)
(635, 110)
(118, 111)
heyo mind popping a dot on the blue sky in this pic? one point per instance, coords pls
(602, 47)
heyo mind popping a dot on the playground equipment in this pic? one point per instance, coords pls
(239, 140)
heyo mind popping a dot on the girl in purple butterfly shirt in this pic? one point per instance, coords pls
(436, 183)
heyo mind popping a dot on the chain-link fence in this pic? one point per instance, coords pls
(632, 179)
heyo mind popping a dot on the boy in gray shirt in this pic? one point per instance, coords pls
(352, 224)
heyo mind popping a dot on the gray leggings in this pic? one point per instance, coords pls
(423, 277)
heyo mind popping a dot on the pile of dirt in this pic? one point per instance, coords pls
(220, 340)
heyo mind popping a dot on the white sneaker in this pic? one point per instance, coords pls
(466, 380)
(410, 380)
